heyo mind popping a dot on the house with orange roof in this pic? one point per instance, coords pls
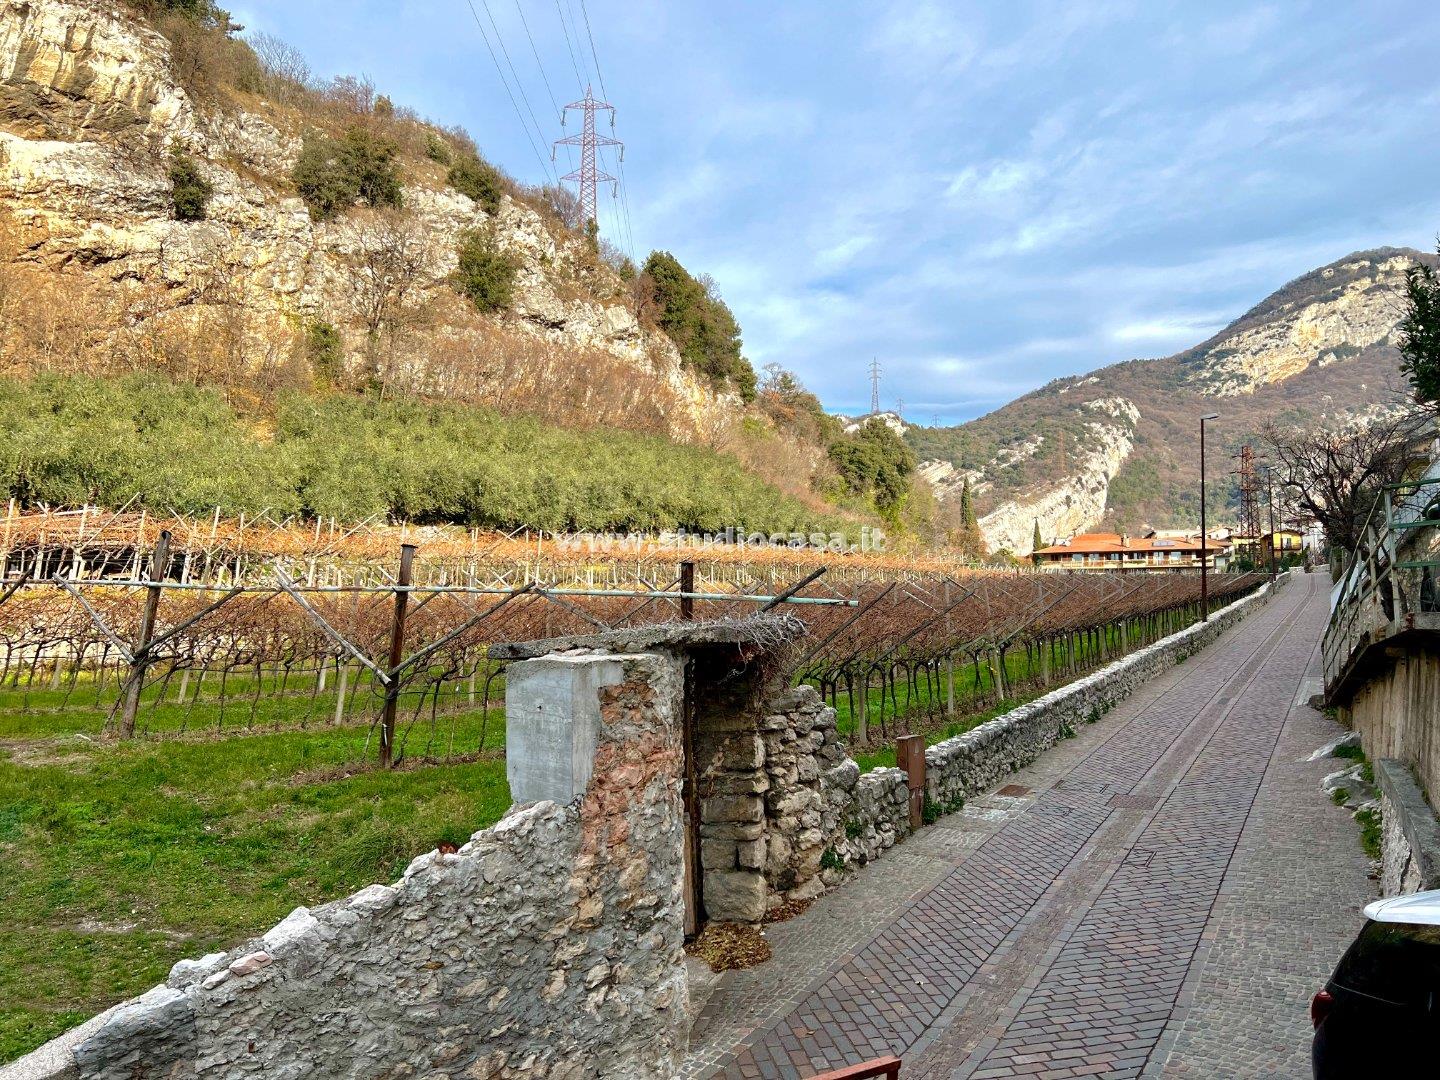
(1119, 552)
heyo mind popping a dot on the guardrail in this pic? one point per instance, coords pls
(1389, 587)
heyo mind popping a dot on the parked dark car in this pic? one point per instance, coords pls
(1379, 1015)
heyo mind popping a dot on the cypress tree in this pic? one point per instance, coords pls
(1036, 542)
(968, 521)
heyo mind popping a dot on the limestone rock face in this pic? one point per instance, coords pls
(1075, 501)
(76, 70)
(89, 114)
(1315, 332)
(1320, 351)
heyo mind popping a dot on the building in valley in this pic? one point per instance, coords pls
(1110, 552)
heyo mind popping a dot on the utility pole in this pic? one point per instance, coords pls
(874, 386)
(589, 175)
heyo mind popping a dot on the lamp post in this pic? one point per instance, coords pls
(1270, 494)
(1204, 529)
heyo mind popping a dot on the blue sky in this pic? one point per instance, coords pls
(982, 195)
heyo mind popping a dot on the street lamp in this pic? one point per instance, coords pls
(1204, 529)
(1270, 494)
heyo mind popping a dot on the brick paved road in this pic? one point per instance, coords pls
(1165, 902)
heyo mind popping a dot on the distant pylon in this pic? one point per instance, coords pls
(900, 407)
(1249, 484)
(589, 175)
(874, 386)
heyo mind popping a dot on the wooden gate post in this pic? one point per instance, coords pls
(910, 756)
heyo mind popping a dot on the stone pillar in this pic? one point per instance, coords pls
(552, 724)
(731, 779)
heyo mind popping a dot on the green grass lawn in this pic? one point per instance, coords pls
(121, 858)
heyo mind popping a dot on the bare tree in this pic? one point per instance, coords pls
(286, 69)
(1334, 475)
(386, 254)
(564, 203)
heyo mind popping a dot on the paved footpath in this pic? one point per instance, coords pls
(1159, 896)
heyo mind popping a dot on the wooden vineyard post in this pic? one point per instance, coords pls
(397, 653)
(910, 756)
(687, 588)
(140, 655)
(949, 659)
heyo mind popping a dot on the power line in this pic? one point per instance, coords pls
(520, 10)
(554, 102)
(579, 79)
(590, 34)
(544, 169)
(500, 38)
(620, 163)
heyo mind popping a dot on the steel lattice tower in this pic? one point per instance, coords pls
(1249, 484)
(589, 175)
(874, 386)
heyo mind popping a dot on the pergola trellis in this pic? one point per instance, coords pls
(406, 636)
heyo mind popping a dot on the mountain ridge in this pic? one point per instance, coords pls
(1115, 446)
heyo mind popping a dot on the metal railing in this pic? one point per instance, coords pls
(1389, 585)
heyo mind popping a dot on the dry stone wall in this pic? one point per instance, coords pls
(547, 948)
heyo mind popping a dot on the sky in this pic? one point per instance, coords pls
(983, 196)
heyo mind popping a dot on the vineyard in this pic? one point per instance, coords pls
(203, 725)
(243, 645)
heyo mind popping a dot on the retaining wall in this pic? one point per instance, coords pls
(548, 946)
(825, 818)
(1410, 832)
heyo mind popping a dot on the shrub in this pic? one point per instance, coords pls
(332, 175)
(189, 190)
(484, 274)
(325, 352)
(474, 178)
(436, 150)
(167, 444)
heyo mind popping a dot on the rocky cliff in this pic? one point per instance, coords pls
(91, 113)
(1119, 446)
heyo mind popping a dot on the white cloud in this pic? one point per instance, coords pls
(925, 40)
(1183, 329)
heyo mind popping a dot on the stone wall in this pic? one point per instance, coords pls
(1410, 833)
(1395, 711)
(547, 947)
(824, 817)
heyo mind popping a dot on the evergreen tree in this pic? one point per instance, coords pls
(1036, 541)
(702, 327)
(1420, 335)
(968, 521)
